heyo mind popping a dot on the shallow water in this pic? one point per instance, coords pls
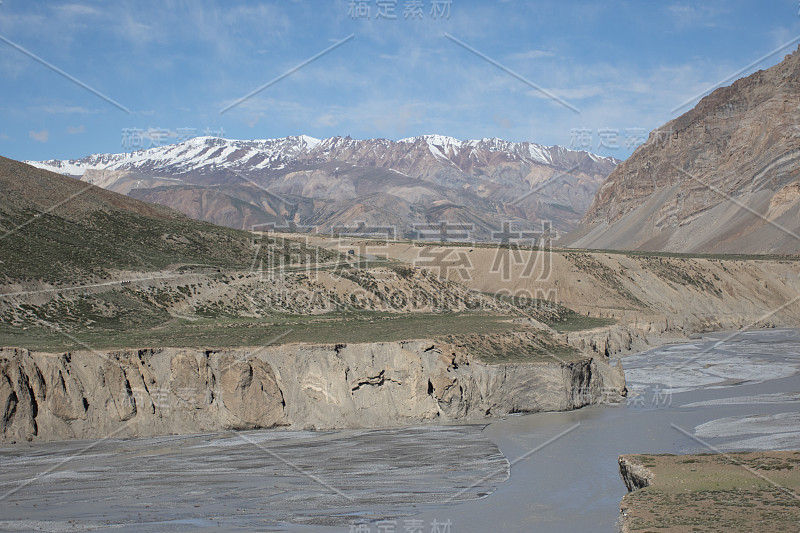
(573, 485)
(245, 480)
(717, 393)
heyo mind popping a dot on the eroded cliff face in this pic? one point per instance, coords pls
(167, 391)
(635, 476)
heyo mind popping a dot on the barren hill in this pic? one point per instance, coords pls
(722, 178)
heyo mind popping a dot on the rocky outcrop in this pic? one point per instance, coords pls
(610, 341)
(165, 391)
(722, 178)
(634, 474)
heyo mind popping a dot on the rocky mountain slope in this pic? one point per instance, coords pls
(339, 181)
(722, 178)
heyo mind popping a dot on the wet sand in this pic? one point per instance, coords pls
(257, 480)
(739, 394)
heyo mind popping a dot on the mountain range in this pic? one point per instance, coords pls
(722, 178)
(335, 182)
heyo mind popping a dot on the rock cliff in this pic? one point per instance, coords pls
(88, 394)
(635, 476)
(633, 473)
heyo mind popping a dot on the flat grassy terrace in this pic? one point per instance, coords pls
(323, 329)
(736, 492)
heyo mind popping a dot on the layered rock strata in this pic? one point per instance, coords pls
(125, 393)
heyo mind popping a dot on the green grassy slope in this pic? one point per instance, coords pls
(58, 229)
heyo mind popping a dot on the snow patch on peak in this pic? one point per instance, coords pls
(311, 142)
(200, 140)
(433, 139)
(210, 154)
(68, 168)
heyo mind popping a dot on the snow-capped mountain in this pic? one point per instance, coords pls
(212, 153)
(339, 180)
(197, 154)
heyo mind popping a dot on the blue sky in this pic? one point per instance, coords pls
(624, 66)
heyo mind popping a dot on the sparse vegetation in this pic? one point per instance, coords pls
(592, 266)
(218, 332)
(734, 492)
(573, 321)
(680, 271)
(516, 347)
(208, 295)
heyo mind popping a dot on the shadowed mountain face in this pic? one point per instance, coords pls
(341, 181)
(722, 178)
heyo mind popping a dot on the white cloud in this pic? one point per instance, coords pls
(76, 130)
(571, 93)
(138, 32)
(532, 54)
(41, 136)
(693, 15)
(79, 10)
(58, 109)
(327, 120)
